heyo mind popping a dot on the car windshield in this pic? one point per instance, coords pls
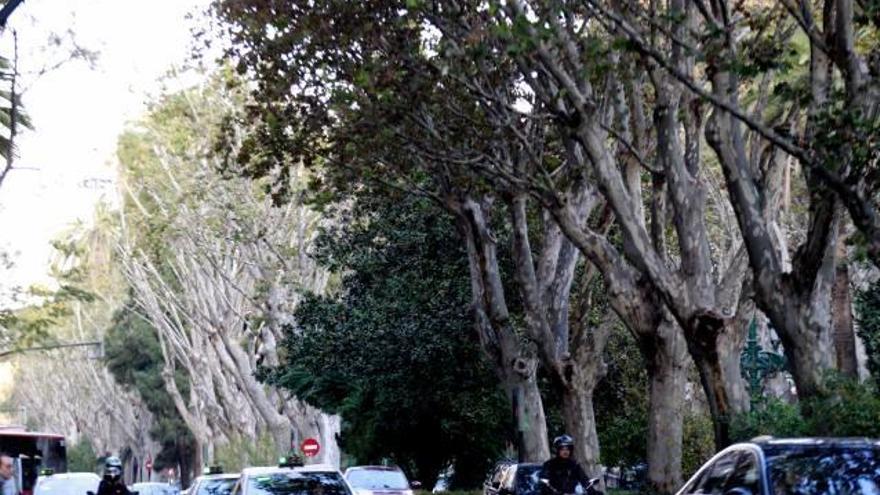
(68, 485)
(216, 487)
(838, 471)
(297, 483)
(376, 479)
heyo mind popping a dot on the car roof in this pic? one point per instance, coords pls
(71, 475)
(373, 468)
(313, 468)
(770, 443)
(221, 476)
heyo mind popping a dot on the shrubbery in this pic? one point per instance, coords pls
(81, 457)
(240, 453)
(868, 317)
(846, 409)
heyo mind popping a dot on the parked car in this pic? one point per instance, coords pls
(379, 480)
(67, 484)
(629, 478)
(213, 482)
(153, 489)
(287, 479)
(768, 466)
(510, 478)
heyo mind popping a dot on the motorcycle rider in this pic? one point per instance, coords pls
(562, 472)
(112, 483)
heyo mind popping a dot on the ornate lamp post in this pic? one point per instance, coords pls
(758, 363)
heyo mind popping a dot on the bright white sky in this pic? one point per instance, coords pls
(79, 111)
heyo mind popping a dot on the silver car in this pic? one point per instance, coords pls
(283, 480)
(67, 484)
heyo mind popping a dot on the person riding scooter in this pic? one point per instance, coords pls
(561, 475)
(112, 483)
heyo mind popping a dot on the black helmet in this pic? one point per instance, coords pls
(563, 441)
(112, 468)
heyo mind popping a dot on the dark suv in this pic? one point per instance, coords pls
(768, 466)
(510, 478)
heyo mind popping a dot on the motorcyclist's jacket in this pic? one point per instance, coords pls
(112, 488)
(564, 475)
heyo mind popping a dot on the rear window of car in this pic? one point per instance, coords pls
(216, 487)
(377, 479)
(153, 489)
(68, 485)
(825, 471)
(297, 483)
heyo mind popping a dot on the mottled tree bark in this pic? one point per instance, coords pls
(515, 365)
(666, 359)
(841, 316)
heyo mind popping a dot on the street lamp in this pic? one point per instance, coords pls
(758, 363)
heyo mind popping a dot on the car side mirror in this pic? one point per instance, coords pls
(415, 485)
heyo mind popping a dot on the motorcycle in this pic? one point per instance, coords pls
(590, 489)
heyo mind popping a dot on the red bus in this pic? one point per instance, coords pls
(32, 451)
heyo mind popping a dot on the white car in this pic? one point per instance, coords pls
(378, 480)
(213, 484)
(297, 480)
(67, 484)
(152, 489)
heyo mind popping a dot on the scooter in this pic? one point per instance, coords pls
(590, 489)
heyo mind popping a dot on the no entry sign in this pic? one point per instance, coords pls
(310, 447)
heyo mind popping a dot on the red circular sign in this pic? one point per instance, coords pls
(310, 447)
(149, 464)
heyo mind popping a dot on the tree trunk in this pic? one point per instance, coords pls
(731, 343)
(841, 316)
(531, 423)
(802, 319)
(580, 423)
(715, 351)
(198, 456)
(277, 424)
(666, 359)
(515, 365)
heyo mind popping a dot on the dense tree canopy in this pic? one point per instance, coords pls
(393, 351)
(134, 357)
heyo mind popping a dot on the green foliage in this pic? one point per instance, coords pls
(698, 442)
(239, 453)
(81, 457)
(33, 324)
(621, 402)
(135, 359)
(846, 408)
(770, 417)
(394, 353)
(868, 318)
